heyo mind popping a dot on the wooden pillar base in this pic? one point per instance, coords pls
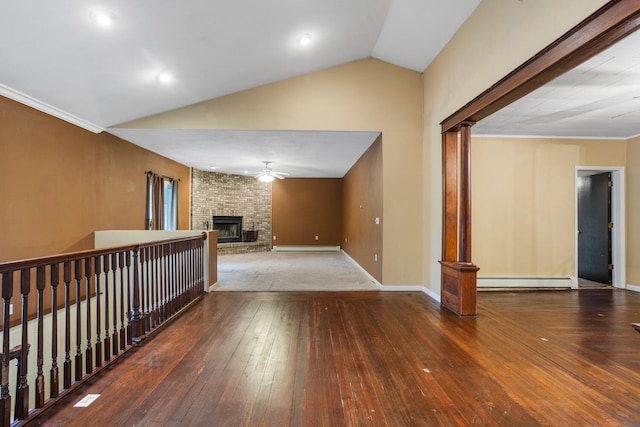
(458, 287)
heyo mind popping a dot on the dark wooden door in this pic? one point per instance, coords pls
(594, 231)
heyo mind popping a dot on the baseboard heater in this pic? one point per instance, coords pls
(524, 282)
(306, 248)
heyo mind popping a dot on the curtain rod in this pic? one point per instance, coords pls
(163, 176)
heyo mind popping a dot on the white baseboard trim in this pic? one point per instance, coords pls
(213, 287)
(306, 249)
(633, 288)
(524, 282)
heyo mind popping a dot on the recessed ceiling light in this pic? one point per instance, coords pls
(164, 78)
(103, 19)
(304, 39)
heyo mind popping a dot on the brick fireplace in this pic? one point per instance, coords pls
(229, 228)
(225, 195)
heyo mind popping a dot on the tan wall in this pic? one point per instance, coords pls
(497, 37)
(60, 183)
(633, 207)
(367, 95)
(363, 202)
(524, 202)
(304, 208)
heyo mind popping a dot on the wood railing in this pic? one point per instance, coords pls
(72, 314)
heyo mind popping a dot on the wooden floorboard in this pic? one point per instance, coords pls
(379, 359)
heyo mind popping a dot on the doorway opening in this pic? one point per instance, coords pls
(583, 260)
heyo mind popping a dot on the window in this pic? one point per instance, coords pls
(162, 203)
(170, 205)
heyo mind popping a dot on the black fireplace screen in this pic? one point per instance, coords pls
(229, 228)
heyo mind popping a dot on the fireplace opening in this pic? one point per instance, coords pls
(229, 228)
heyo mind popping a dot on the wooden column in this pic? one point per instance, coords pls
(464, 244)
(450, 196)
(458, 273)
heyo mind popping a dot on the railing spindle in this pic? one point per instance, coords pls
(165, 280)
(114, 334)
(175, 279)
(22, 395)
(40, 350)
(154, 288)
(88, 351)
(137, 327)
(129, 257)
(67, 324)
(107, 339)
(146, 279)
(78, 356)
(5, 396)
(123, 332)
(54, 385)
(97, 264)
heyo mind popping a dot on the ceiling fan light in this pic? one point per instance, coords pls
(265, 178)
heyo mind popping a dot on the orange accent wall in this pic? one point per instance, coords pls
(362, 203)
(304, 208)
(59, 183)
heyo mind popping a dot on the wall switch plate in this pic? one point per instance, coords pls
(377, 221)
(274, 237)
(316, 237)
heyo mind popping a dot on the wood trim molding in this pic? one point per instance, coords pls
(609, 24)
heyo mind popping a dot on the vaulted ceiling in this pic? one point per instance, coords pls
(58, 58)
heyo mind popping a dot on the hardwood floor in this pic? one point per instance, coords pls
(372, 358)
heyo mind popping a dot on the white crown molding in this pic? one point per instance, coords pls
(25, 99)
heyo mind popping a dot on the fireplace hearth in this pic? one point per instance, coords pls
(229, 228)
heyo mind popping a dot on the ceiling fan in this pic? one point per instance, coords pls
(268, 175)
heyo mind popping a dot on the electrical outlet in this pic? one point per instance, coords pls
(377, 221)
(316, 237)
(375, 257)
(10, 309)
(274, 237)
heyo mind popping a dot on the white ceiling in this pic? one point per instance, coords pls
(598, 99)
(303, 154)
(55, 57)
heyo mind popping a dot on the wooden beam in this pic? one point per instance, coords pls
(608, 25)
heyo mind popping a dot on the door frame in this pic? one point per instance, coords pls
(618, 245)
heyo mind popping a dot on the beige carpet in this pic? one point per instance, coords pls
(291, 271)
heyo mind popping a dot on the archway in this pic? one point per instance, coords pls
(606, 26)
